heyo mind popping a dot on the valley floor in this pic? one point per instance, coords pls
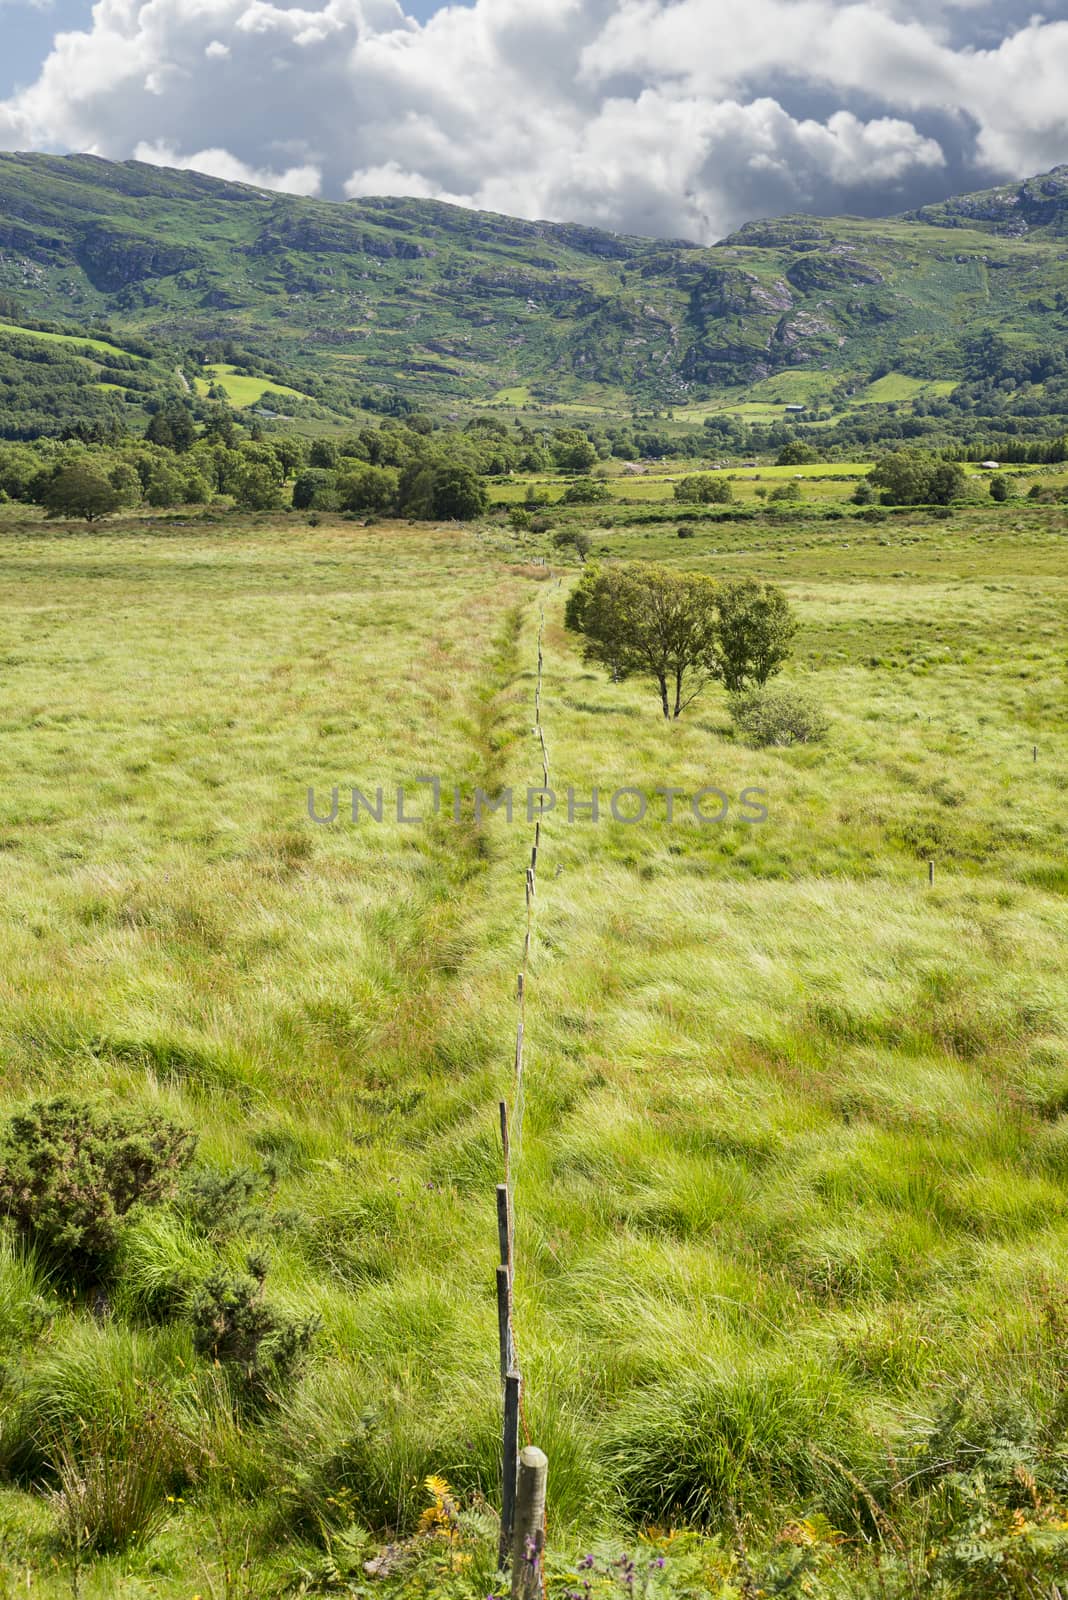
(792, 1180)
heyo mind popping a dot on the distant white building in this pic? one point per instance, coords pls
(990, 466)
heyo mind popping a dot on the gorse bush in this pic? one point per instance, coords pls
(70, 1174)
(224, 1203)
(777, 716)
(260, 1346)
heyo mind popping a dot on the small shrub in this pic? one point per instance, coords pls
(70, 1174)
(685, 533)
(586, 492)
(261, 1347)
(224, 1203)
(785, 493)
(777, 716)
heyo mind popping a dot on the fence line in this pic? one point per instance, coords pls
(511, 1126)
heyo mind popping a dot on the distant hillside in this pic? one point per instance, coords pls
(333, 301)
(1037, 205)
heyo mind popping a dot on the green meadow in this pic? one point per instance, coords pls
(791, 1162)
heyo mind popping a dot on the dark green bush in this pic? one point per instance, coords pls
(777, 716)
(261, 1347)
(71, 1173)
(223, 1203)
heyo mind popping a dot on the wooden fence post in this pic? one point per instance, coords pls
(930, 872)
(509, 1467)
(504, 1319)
(504, 1225)
(528, 1540)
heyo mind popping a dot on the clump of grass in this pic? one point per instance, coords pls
(113, 1481)
(719, 1442)
(96, 1377)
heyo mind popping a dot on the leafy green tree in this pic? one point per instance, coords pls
(797, 454)
(785, 493)
(368, 489)
(574, 539)
(754, 630)
(1000, 488)
(219, 424)
(703, 488)
(172, 426)
(314, 490)
(586, 492)
(448, 491)
(290, 454)
(257, 488)
(642, 620)
(916, 478)
(126, 483)
(459, 493)
(80, 490)
(18, 467)
(572, 451)
(518, 519)
(165, 486)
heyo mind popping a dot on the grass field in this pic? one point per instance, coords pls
(824, 483)
(76, 339)
(792, 1180)
(240, 389)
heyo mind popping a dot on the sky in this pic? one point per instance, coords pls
(676, 118)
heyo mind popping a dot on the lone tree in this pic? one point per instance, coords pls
(754, 631)
(703, 489)
(681, 629)
(915, 478)
(639, 620)
(81, 491)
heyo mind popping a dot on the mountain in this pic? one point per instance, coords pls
(338, 301)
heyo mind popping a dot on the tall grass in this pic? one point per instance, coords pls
(791, 1167)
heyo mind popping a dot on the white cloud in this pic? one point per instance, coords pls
(221, 164)
(679, 116)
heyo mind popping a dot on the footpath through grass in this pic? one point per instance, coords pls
(792, 1195)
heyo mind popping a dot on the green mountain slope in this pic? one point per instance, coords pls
(332, 300)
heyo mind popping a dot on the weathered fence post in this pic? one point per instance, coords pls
(504, 1319)
(509, 1467)
(930, 872)
(504, 1225)
(528, 1540)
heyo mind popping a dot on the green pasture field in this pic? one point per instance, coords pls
(76, 339)
(831, 482)
(791, 1173)
(243, 390)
